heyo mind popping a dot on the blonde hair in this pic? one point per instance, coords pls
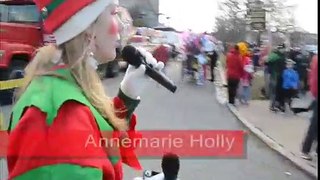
(75, 54)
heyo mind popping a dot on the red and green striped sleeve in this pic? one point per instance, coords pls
(127, 106)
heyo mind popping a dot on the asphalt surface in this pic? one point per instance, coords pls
(196, 108)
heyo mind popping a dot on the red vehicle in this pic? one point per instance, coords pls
(20, 35)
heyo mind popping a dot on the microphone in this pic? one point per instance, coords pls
(133, 57)
(170, 166)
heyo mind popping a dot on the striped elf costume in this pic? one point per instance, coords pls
(52, 121)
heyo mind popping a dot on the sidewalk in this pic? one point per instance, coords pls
(284, 132)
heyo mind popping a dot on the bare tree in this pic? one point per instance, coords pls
(280, 15)
(231, 25)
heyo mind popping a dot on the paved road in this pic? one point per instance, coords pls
(194, 107)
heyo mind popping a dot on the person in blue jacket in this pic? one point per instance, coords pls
(290, 81)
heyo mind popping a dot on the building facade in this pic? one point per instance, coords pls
(144, 12)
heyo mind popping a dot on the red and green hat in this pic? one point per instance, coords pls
(66, 19)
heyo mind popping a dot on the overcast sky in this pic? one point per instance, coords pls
(199, 15)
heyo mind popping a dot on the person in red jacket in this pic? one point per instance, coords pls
(235, 71)
(312, 132)
(313, 77)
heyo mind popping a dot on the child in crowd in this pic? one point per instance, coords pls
(245, 81)
(290, 82)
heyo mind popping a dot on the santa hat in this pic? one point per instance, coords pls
(66, 19)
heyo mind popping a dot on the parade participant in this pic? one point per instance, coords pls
(63, 101)
(211, 52)
(214, 56)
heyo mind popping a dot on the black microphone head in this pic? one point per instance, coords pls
(131, 55)
(170, 166)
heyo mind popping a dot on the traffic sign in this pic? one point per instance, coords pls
(257, 14)
(257, 20)
(254, 6)
(258, 26)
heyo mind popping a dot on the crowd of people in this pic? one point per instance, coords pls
(201, 51)
(239, 69)
(290, 74)
(293, 73)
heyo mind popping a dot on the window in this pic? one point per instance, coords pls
(3, 13)
(19, 13)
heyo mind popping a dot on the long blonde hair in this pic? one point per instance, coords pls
(75, 54)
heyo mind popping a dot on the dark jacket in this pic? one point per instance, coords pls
(214, 57)
(276, 64)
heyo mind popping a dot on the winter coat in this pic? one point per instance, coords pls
(234, 65)
(290, 79)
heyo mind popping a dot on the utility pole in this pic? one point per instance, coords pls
(259, 38)
(256, 17)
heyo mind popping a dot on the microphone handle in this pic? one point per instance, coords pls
(163, 80)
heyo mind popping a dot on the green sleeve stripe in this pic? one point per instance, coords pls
(62, 172)
(130, 104)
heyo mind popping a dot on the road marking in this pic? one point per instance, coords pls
(10, 84)
(1, 121)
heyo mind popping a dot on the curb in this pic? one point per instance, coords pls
(274, 145)
(299, 163)
(222, 74)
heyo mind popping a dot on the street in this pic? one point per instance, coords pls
(196, 108)
(256, 118)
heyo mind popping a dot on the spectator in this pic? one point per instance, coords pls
(234, 72)
(256, 58)
(264, 53)
(276, 65)
(312, 132)
(290, 81)
(302, 66)
(246, 79)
